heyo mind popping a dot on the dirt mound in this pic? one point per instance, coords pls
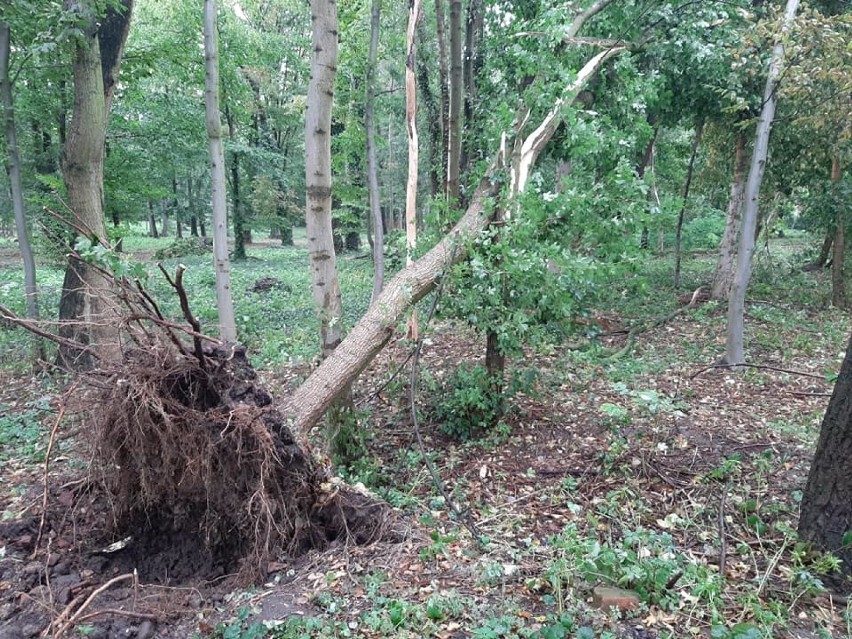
(204, 476)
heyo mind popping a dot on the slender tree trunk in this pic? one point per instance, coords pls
(378, 243)
(724, 274)
(824, 251)
(14, 171)
(838, 281)
(325, 284)
(825, 519)
(699, 129)
(224, 303)
(237, 213)
(734, 351)
(455, 108)
(84, 306)
(443, 78)
(434, 116)
(413, 150)
(471, 66)
(176, 208)
(152, 221)
(164, 214)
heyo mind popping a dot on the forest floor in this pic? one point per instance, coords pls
(642, 467)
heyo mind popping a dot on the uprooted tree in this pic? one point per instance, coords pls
(186, 438)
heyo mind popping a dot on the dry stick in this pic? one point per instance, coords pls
(723, 540)
(177, 284)
(32, 327)
(50, 443)
(759, 366)
(800, 394)
(644, 328)
(146, 297)
(72, 621)
(124, 613)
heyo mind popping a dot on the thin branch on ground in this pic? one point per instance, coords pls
(766, 367)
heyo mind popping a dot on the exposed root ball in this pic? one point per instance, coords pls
(192, 449)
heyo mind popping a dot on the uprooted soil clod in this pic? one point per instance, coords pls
(205, 477)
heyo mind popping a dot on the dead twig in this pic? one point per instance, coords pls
(74, 618)
(46, 472)
(147, 616)
(757, 366)
(177, 284)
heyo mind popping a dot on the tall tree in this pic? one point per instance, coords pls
(224, 303)
(690, 169)
(413, 147)
(724, 273)
(372, 162)
(734, 352)
(455, 106)
(84, 304)
(14, 171)
(324, 278)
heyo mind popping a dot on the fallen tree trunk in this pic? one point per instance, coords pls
(309, 402)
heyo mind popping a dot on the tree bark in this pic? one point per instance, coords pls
(14, 171)
(413, 149)
(224, 302)
(378, 243)
(455, 107)
(838, 281)
(324, 278)
(311, 399)
(826, 514)
(434, 117)
(84, 305)
(699, 129)
(724, 274)
(443, 78)
(237, 217)
(734, 351)
(152, 221)
(471, 65)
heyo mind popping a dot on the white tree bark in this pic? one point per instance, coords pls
(734, 350)
(324, 279)
(413, 150)
(14, 167)
(224, 302)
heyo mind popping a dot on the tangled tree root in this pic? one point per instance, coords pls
(193, 456)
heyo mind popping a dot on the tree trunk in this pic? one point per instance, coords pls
(152, 221)
(724, 274)
(826, 513)
(734, 351)
(193, 218)
(471, 66)
(83, 307)
(413, 151)
(455, 110)
(324, 278)
(824, 252)
(311, 399)
(378, 243)
(434, 118)
(176, 208)
(699, 129)
(224, 303)
(443, 77)
(164, 213)
(237, 218)
(838, 282)
(14, 171)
